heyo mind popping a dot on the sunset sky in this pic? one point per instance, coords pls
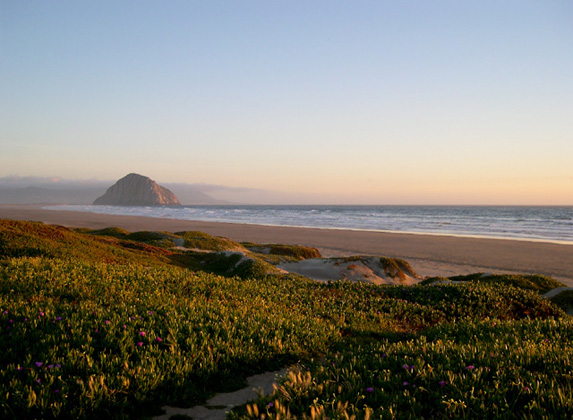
(364, 102)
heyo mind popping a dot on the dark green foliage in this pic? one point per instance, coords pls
(564, 300)
(535, 282)
(111, 231)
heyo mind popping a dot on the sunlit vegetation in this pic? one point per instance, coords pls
(113, 324)
(283, 253)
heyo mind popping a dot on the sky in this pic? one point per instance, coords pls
(326, 102)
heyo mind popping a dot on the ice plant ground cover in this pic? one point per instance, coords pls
(115, 325)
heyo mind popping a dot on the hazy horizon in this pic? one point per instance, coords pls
(366, 102)
(226, 195)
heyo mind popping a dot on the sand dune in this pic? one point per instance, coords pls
(429, 255)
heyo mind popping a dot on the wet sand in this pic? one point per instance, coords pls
(429, 255)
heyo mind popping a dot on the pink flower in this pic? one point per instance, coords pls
(159, 339)
(140, 344)
(141, 333)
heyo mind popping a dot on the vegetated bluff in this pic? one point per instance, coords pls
(137, 190)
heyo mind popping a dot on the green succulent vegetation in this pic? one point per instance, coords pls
(203, 241)
(535, 282)
(108, 323)
(283, 253)
(564, 300)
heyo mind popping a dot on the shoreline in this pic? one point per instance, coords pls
(429, 254)
(353, 229)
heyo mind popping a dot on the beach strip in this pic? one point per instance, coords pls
(429, 255)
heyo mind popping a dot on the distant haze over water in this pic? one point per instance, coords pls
(547, 223)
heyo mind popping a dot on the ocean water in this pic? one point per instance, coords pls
(543, 223)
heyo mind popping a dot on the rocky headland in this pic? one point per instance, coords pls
(137, 190)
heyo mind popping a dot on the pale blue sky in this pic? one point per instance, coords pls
(375, 102)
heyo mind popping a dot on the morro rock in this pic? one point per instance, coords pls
(137, 190)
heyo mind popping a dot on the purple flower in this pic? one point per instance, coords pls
(56, 391)
(39, 364)
(140, 344)
(38, 380)
(150, 312)
(142, 333)
(470, 367)
(59, 318)
(11, 321)
(369, 389)
(5, 312)
(443, 383)
(41, 313)
(107, 322)
(58, 365)
(50, 366)
(406, 383)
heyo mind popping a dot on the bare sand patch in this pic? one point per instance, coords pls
(364, 269)
(216, 408)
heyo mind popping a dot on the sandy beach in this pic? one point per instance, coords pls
(429, 255)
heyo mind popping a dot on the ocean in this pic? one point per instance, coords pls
(537, 223)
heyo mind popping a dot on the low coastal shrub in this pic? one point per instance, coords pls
(535, 282)
(396, 267)
(564, 300)
(200, 240)
(295, 252)
(96, 326)
(110, 231)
